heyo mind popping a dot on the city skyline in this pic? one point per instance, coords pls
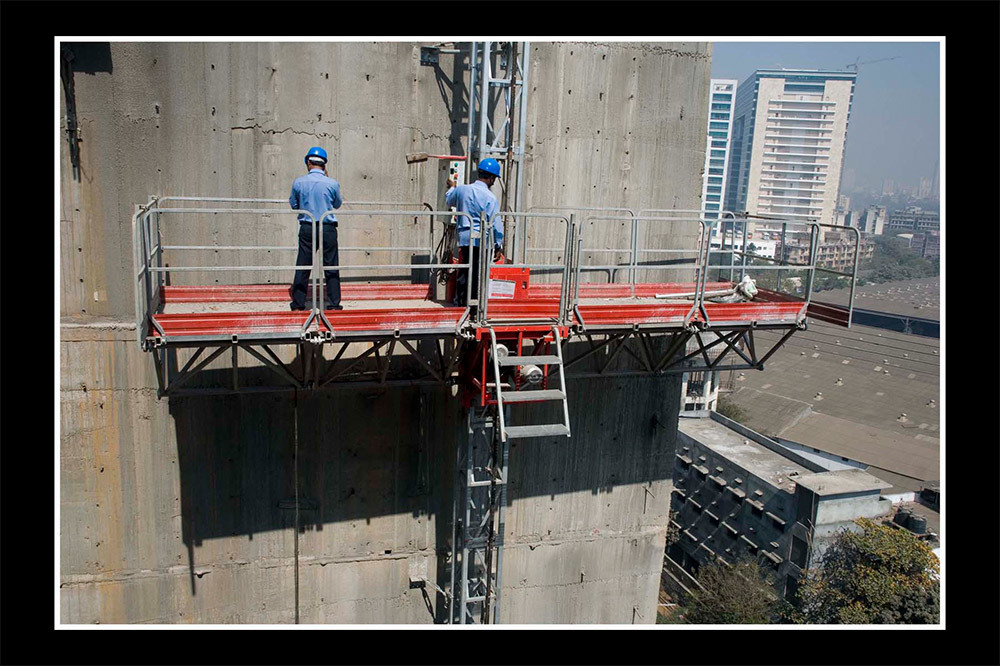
(894, 131)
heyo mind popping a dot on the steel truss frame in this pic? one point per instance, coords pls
(738, 340)
(314, 370)
(479, 510)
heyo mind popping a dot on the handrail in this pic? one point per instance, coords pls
(571, 209)
(161, 271)
(285, 201)
(565, 267)
(373, 267)
(142, 241)
(699, 263)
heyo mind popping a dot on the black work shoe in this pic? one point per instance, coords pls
(335, 307)
(297, 307)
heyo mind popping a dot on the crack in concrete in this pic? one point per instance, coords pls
(533, 541)
(262, 130)
(649, 48)
(119, 575)
(427, 136)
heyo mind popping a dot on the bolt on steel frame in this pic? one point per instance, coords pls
(482, 459)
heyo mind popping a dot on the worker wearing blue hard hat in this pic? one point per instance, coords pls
(474, 199)
(316, 193)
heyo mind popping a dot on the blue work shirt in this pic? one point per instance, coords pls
(317, 194)
(474, 199)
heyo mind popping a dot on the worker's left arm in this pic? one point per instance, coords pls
(497, 224)
(293, 200)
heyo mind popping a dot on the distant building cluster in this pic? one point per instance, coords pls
(775, 148)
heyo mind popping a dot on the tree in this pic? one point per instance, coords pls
(741, 593)
(879, 575)
(892, 260)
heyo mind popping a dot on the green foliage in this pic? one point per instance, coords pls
(671, 615)
(731, 410)
(880, 575)
(892, 260)
(673, 529)
(825, 281)
(737, 594)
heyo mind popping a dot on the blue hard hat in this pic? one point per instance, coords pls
(489, 165)
(316, 151)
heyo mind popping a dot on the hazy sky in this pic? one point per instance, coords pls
(894, 129)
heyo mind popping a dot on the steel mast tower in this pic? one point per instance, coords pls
(497, 118)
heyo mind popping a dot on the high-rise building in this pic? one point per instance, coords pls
(788, 138)
(888, 187)
(925, 188)
(720, 115)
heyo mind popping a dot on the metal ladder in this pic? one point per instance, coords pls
(531, 395)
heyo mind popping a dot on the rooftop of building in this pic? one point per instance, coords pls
(918, 298)
(933, 517)
(841, 482)
(755, 458)
(845, 392)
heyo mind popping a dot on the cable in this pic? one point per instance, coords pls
(830, 347)
(295, 460)
(868, 360)
(881, 344)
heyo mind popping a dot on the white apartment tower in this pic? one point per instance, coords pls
(789, 131)
(720, 116)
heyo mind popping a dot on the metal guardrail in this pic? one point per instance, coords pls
(150, 270)
(567, 301)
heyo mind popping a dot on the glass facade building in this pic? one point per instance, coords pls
(720, 115)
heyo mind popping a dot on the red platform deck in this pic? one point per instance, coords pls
(193, 312)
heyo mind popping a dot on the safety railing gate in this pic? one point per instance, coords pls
(562, 265)
(789, 239)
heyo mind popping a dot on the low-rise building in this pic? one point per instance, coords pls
(925, 244)
(738, 493)
(914, 219)
(836, 251)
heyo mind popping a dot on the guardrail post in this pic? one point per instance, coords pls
(813, 249)
(485, 261)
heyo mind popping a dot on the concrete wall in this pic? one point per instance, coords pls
(177, 510)
(180, 510)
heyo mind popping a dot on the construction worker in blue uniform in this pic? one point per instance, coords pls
(474, 199)
(317, 193)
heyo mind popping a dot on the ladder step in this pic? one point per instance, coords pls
(548, 430)
(525, 360)
(530, 396)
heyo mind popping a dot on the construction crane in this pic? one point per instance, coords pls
(857, 64)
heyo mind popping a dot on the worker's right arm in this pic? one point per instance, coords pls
(337, 198)
(293, 200)
(451, 197)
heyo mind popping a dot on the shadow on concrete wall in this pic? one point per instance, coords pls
(354, 454)
(88, 57)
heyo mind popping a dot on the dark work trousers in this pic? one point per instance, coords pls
(331, 257)
(462, 281)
